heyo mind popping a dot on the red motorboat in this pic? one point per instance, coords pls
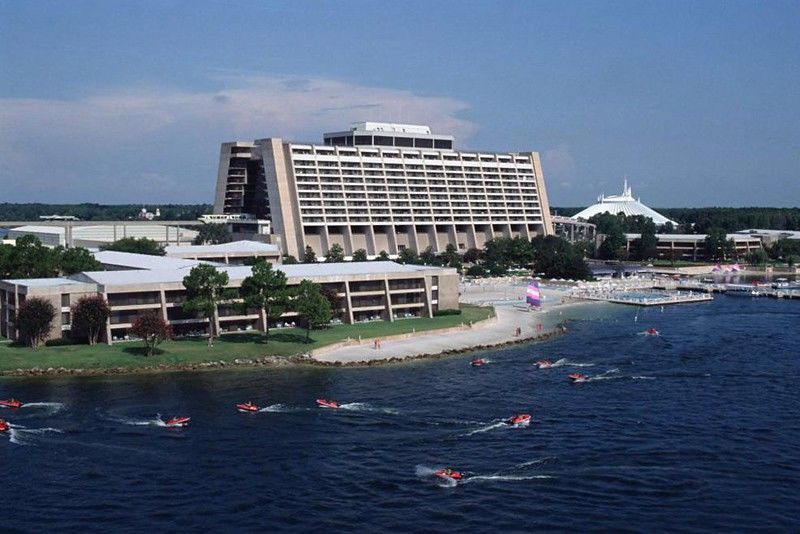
(177, 422)
(10, 403)
(4, 426)
(325, 403)
(478, 362)
(544, 364)
(577, 377)
(521, 419)
(247, 407)
(449, 474)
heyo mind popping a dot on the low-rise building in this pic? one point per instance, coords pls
(368, 291)
(692, 247)
(95, 235)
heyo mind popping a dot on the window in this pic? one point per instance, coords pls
(363, 140)
(423, 143)
(442, 143)
(403, 141)
(65, 300)
(383, 140)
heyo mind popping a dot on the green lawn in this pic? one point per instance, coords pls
(285, 342)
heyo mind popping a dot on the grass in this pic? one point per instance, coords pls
(284, 342)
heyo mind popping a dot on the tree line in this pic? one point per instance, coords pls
(702, 220)
(101, 212)
(30, 259)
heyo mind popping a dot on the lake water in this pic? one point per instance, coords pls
(693, 430)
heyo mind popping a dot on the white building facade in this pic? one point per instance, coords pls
(383, 187)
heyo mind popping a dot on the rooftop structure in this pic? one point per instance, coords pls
(624, 203)
(84, 235)
(382, 187)
(233, 252)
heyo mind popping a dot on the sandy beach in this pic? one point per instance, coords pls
(507, 297)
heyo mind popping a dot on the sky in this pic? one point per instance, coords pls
(696, 103)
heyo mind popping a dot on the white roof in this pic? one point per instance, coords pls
(33, 229)
(143, 261)
(301, 270)
(780, 234)
(42, 282)
(223, 248)
(624, 203)
(693, 237)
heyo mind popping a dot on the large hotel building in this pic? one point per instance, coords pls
(382, 187)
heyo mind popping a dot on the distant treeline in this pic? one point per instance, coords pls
(102, 212)
(729, 219)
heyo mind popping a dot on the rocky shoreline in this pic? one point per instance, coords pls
(266, 361)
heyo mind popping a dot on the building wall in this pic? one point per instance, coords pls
(389, 297)
(381, 198)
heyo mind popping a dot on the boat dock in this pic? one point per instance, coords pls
(648, 299)
(740, 290)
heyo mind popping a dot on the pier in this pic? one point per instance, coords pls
(646, 300)
(743, 290)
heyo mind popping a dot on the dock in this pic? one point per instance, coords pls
(651, 299)
(743, 290)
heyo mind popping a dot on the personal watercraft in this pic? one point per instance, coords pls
(544, 364)
(478, 362)
(10, 403)
(521, 419)
(448, 474)
(247, 407)
(325, 403)
(578, 377)
(177, 422)
(4, 426)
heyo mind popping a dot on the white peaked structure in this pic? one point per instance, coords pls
(624, 203)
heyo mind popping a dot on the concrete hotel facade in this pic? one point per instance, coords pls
(382, 187)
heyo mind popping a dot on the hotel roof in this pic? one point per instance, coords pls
(297, 271)
(143, 261)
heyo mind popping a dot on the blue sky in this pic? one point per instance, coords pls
(697, 103)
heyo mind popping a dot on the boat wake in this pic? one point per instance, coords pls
(563, 362)
(50, 408)
(488, 428)
(282, 408)
(366, 407)
(20, 435)
(608, 375)
(518, 473)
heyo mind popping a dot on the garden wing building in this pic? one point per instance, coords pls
(365, 291)
(382, 187)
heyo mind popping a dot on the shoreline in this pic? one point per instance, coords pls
(505, 318)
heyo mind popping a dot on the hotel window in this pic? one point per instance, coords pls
(441, 143)
(383, 140)
(404, 141)
(65, 300)
(363, 139)
(423, 143)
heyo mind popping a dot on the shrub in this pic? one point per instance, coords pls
(440, 313)
(89, 316)
(153, 329)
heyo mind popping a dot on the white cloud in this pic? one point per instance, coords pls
(47, 140)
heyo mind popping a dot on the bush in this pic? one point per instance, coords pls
(476, 270)
(440, 313)
(61, 342)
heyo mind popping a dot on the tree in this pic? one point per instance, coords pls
(290, 260)
(333, 299)
(383, 256)
(312, 306)
(472, 255)
(205, 289)
(135, 245)
(476, 270)
(335, 254)
(30, 259)
(613, 246)
(558, 258)
(360, 255)
(310, 256)
(89, 316)
(265, 289)
(450, 257)
(758, 257)
(715, 242)
(153, 329)
(213, 234)
(646, 247)
(408, 255)
(34, 321)
(76, 260)
(427, 257)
